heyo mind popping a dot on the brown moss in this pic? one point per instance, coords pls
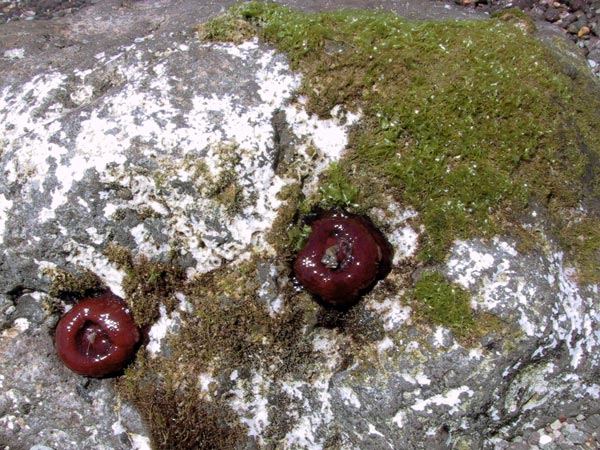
(148, 284)
(229, 328)
(73, 285)
(176, 415)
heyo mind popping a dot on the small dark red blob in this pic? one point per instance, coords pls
(344, 256)
(97, 337)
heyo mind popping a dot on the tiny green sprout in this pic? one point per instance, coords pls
(338, 191)
(298, 236)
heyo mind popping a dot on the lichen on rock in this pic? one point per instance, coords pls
(180, 178)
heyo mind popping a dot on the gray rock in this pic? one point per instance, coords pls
(533, 438)
(552, 14)
(577, 437)
(576, 26)
(591, 425)
(118, 126)
(594, 55)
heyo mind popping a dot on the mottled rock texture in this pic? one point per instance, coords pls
(135, 157)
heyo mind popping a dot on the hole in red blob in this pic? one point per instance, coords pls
(344, 257)
(92, 340)
(98, 336)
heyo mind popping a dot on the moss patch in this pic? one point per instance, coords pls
(73, 286)
(147, 285)
(443, 303)
(467, 121)
(176, 414)
(227, 328)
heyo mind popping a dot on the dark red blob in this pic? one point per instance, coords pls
(97, 337)
(344, 256)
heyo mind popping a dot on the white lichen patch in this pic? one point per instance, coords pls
(442, 337)
(204, 172)
(166, 323)
(250, 402)
(451, 398)
(349, 397)
(313, 413)
(21, 109)
(321, 142)
(327, 344)
(402, 235)
(391, 311)
(14, 53)
(385, 344)
(535, 292)
(139, 442)
(88, 257)
(472, 266)
(5, 206)
(419, 379)
(18, 327)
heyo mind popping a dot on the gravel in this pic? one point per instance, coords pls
(574, 433)
(578, 19)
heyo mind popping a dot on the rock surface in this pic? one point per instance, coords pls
(119, 127)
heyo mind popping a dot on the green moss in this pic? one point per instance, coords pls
(289, 232)
(337, 191)
(516, 17)
(444, 303)
(287, 235)
(467, 121)
(435, 300)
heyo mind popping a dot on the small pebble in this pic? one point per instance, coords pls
(534, 438)
(577, 437)
(583, 31)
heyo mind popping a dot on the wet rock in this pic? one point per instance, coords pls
(552, 14)
(577, 26)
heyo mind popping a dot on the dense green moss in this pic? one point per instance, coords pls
(444, 303)
(467, 121)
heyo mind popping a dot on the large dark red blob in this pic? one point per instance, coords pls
(97, 337)
(344, 256)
